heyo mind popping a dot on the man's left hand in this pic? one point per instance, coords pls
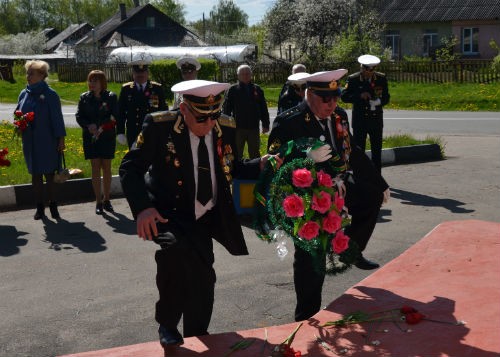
(264, 159)
(387, 196)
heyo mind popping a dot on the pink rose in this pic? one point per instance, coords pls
(309, 230)
(324, 179)
(302, 178)
(332, 222)
(322, 202)
(293, 206)
(340, 242)
(339, 201)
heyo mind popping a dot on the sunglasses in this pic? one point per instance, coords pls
(299, 88)
(327, 98)
(204, 118)
(368, 68)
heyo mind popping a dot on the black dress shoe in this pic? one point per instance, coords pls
(98, 208)
(107, 206)
(365, 264)
(170, 337)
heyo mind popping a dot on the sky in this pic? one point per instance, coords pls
(255, 9)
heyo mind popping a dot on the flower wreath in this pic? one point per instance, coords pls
(304, 202)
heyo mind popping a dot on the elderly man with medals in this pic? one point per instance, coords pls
(318, 116)
(185, 201)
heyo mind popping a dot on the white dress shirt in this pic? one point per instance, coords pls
(199, 209)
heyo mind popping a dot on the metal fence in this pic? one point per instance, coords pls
(460, 71)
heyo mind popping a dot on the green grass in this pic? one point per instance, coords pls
(17, 173)
(445, 97)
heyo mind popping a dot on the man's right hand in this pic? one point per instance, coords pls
(122, 139)
(146, 223)
(323, 153)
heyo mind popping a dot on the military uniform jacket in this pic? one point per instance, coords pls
(163, 150)
(376, 86)
(135, 105)
(300, 122)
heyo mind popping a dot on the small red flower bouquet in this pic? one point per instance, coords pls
(22, 121)
(106, 126)
(284, 349)
(3, 160)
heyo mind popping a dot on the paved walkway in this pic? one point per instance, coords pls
(450, 276)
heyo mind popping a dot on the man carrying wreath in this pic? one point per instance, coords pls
(319, 117)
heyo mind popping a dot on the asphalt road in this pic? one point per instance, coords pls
(396, 121)
(87, 282)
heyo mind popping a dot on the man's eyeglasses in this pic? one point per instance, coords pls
(368, 68)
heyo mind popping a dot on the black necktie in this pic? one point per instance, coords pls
(326, 130)
(204, 193)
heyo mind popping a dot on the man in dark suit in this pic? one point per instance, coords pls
(137, 99)
(185, 201)
(245, 101)
(319, 117)
(368, 92)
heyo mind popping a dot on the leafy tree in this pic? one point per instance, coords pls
(23, 43)
(445, 52)
(226, 18)
(173, 8)
(318, 27)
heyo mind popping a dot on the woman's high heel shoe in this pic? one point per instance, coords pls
(98, 208)
(40, 211)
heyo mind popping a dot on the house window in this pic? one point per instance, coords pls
(150, 22)
(392, 41)
(430, 42)
(470, 42)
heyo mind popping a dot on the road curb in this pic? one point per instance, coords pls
(80, 190)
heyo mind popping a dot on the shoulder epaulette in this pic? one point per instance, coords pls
(128, 84)
(155, 83)
(380, 74)
(164, 116)
(354, 75)
(290, 111)
(226, 120)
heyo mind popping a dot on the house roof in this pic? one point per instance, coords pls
(396, 11)
(64, 35)
(114, 29)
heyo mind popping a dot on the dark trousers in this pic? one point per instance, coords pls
(308, 281)
(252, 138)
(373, 127)
(363, 201)
(186, 280)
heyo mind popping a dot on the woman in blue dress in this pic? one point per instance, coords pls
(43, 138)
(97, 110)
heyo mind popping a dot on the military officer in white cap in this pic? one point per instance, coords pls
(318, 116)
(294, 93)
(185, 201)
(368, 92)
(189, 67)
(138, 98)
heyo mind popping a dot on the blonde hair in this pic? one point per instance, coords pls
(100, 76)
(41, 67)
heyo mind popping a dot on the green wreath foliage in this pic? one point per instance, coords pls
(273, 187)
